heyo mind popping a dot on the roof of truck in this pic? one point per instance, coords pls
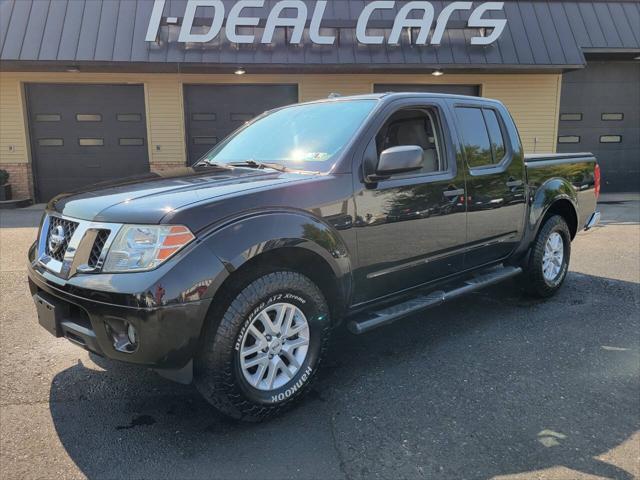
(400, 95)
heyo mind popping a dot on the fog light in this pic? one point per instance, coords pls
(132, 334)
(123, 334)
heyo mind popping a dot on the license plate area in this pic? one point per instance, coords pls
(50, 313)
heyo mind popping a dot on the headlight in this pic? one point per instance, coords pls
(144, 247)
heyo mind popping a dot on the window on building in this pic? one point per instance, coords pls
(569, 139)
(88, 117)
(129, 117)
(241, 117)
(91, 142)
(482, 135)
(48, 117)
(205, 140)
(414, 127)
(203, 117)
(131, 142)
(50, 142)
(570, 117)
(612, 117)
(610, 138)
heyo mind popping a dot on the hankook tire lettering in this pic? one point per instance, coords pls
(293, 388)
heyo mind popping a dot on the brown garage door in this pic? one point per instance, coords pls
(473, 90)
(84, 134)
(214, 111)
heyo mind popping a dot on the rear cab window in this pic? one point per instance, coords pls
(483, 136)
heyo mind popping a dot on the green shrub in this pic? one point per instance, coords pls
(4, 177)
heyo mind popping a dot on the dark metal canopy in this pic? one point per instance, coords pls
(538, 35)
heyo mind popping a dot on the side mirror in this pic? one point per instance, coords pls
(394, 160)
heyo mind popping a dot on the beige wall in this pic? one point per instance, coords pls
(13, 143)
(533, 100)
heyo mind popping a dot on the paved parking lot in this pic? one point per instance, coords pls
(494, 386)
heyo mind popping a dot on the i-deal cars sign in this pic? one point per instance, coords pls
(417, 15)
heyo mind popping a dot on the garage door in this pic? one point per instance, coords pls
(214, 111)
(600, 113)
(473, 90)
(83, 134)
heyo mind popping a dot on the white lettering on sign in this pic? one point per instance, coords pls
(274, 20)
(235, 20)
(316, 20)
(363, 20)
(476, 20)
(424, 23)
(443, 19)
(404, 19)
(189, 16)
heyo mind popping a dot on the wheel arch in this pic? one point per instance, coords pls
(293, 241)
(554, 197)
(564, 208)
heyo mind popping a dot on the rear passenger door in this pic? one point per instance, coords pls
(495, 182)
(411, 227)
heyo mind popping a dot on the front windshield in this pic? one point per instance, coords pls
(304, 137)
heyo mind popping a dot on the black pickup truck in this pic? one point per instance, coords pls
(233, 272)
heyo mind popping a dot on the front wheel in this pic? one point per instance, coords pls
(261, 356)
(549, 258)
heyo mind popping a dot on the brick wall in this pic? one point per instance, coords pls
(20, 179)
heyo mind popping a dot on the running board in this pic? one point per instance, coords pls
(377, 318)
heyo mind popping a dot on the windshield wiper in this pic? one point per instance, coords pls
(209, 163)
(254, 164)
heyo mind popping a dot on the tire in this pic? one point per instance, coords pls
(538, 281)
(254, 394)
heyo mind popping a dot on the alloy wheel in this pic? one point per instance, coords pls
(274, 346)
(553, 257)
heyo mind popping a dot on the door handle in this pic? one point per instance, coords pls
(453, 193)
(514, 183)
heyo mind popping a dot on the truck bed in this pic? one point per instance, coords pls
(559, 157)
(577, 168)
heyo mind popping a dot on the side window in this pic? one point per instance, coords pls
(419, 127)
(482, 136)
(495, 135)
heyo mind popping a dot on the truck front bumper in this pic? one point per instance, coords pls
(162, 336)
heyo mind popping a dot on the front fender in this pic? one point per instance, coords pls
(243, 239)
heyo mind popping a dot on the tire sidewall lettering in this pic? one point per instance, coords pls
(316, 320)
(261, 306)
(294, 388)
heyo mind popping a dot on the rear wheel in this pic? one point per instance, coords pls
(261, 356)
(549, 258)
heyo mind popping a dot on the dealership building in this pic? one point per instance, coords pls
(92, 90)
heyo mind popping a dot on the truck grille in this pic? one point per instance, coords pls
(98, 246)
(68, 227)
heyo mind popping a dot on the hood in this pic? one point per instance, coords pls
(146, 199)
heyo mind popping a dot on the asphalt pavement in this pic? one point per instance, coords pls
(495, 385)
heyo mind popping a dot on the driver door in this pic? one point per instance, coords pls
(412, 226)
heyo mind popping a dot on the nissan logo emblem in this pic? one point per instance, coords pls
(56, 238)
